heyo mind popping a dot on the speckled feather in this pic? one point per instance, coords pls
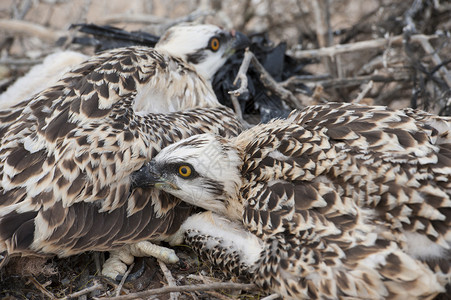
(66, 154)
(348, 201)
(338, 197)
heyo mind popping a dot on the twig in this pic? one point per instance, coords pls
(272, 85)
(363, 93)
(18, 27)
(20, 62)
(218, 296)
(265, 78)
(347, 82)
(187, 288)
(171, 282)
(408, 16)
(41, 288)
(96, 256)
(243, 87)
(204, 279)
(271, 297)
(152, 19)
(242, 74)
(119, 287)
(198, 13)
(358, 46)
(87, 290)
(19, 13)
(437, 60)
(132, 18)
(321, 15)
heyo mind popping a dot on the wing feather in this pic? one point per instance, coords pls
(67, 153)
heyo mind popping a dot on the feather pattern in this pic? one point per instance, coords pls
(67, 153)
(348, 201)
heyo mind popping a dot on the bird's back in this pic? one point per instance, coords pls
(339, 191)
(66, 154)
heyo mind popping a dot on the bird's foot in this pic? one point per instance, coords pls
(116, 265)
(145, 248)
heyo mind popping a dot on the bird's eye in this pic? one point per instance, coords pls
(214, 44)
(185, 171)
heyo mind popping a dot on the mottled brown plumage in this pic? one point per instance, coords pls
(66, 154)
(339, 201)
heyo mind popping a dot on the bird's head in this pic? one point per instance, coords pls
(203, 170)
(206, 47)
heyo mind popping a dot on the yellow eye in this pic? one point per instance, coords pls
(214, 44)
(185, 171)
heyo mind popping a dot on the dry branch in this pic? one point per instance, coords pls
(242, 89)
(363, 93)
(266, 80)
(119, 287)
(271, 297)
(132, 18)
(169, 278)
(85, 291)
(436, 58)
(18, 27)
(358, 46)
(152, 19)
(186, 288)
(43, 290)
(352, 81)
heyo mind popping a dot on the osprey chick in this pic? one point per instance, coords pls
(66, 154)
(341, 200)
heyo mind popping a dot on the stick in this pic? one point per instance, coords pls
(363, 93)
(18, 27)
(132, 18)
(271, 297)
(243, 87)
(265, 78)
(198, 13)
(218, 296)
(171, 282)
(242, 74)
(275, 87)
(41, 288)
(353, 81)
(87, 290)
(186, 288)
(119, 287)
(436, 58)
(408, 16)
(152, 19)
(321, 15)
(20, 62)
(358, 46)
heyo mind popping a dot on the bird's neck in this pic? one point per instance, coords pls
(234, 209)
(234, 204)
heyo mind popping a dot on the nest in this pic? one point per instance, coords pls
(394, 53)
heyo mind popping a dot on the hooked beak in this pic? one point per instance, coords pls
(148, 176)
(237, 41)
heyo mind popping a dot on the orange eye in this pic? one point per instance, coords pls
(214, 44)
(185, 171)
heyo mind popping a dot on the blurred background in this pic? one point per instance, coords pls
(402, 62)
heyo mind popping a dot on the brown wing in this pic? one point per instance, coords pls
(319, 193)
(66, 155)
(382, 159)
(319, 244)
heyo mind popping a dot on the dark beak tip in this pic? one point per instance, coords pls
(241, 41)
(144, 177)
